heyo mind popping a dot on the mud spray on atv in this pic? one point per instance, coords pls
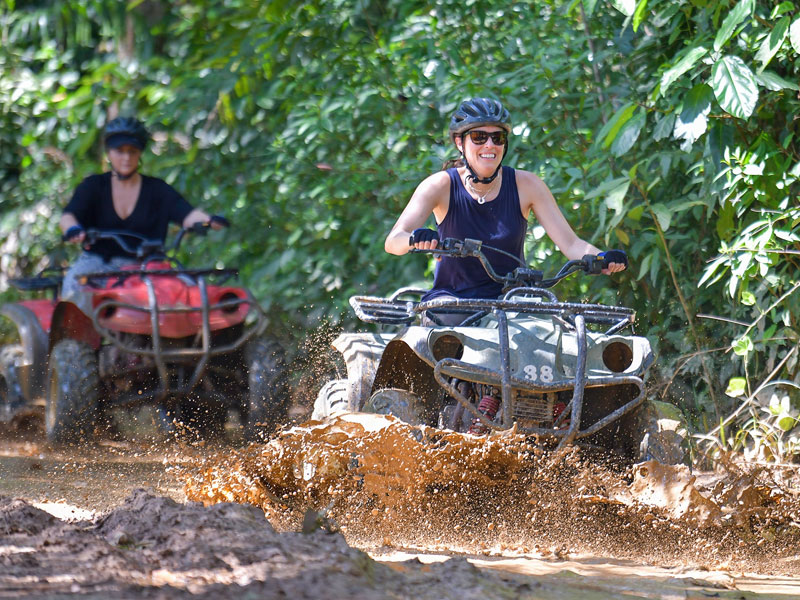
(560, 371)
(158, 333)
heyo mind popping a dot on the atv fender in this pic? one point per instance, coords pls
(33, 340)
(362, 352)
(70, 322)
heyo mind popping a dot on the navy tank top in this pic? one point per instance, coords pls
(498, 223)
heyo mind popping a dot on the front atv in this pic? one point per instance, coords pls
(159, 334)
(559, 371)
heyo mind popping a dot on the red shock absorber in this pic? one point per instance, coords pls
(488, 406)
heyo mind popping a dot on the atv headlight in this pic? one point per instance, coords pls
(447, 346)
(617, 356)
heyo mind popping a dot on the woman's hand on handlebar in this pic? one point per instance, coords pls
(424, 239)
(75, 234)
(614, 261)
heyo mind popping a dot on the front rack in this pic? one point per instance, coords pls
(524, 300)
(162, 355)
(394, 311)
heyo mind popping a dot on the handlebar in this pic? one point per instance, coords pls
(148, 248)
(522, 276)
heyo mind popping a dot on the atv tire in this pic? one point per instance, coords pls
(333, 398)
(12, 397)
(662, 438)
(266, 403)
(398, 402)
(72, 392)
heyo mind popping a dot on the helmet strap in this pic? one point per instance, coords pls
(474, 176)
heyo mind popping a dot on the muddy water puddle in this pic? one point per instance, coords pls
(386, 485)
(367, 507)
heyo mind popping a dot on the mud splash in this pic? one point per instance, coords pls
(384, 483)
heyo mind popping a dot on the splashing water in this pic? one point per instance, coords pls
(385, 483)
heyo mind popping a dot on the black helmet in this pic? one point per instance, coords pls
(125, 130)
(476, 112)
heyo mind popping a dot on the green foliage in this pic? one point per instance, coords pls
(662, 127)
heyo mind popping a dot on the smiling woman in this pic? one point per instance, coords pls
(478, 198)
(121, 200)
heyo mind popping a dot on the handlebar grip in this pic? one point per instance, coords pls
(219, 220)
(593, 265)
(72, 232)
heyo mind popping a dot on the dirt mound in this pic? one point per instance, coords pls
(383, 483)
(156, 548)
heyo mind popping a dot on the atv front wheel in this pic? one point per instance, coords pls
(267, 399)
(72, 391)
(11, 396)
(332, 398)
(663, 434)
(403, 404)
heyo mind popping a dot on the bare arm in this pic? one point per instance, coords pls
(535, 195)
(68, 220)
(198, 216)
(431, 196)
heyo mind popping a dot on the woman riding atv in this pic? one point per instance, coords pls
(478, 198)
(122, 200)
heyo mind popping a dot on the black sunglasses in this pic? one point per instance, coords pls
(479, 137)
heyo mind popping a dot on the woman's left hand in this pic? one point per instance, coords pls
(614, 261)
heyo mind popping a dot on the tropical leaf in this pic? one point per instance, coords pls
(693, 119)
(773, 81)
(773, 42)
(684, 64)
(628, 134)
(734, 86)
(639, 14)
(735, 17)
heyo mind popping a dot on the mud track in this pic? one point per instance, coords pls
(375, 509)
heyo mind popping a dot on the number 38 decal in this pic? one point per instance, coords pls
(543, 373)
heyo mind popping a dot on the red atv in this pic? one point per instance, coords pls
(156, 333)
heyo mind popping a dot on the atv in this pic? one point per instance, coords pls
(560, 372)
(182, 340)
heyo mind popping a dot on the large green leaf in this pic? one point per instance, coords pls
(628, 133)
(611, 130)
(734, 86)
(684, 64)
(735, 17)
(773, 81)
(773, 42)
(663, 215)
(664, 127)
(692, 122)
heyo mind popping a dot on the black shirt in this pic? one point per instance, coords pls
(158, 205)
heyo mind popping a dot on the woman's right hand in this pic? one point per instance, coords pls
(424, 239)
(75, 234)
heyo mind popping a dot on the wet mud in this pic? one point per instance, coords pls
(383, 483)
(364, 506)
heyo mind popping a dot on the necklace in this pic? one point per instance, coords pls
(481, 198)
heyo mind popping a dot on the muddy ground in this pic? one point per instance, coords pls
(367, 507)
